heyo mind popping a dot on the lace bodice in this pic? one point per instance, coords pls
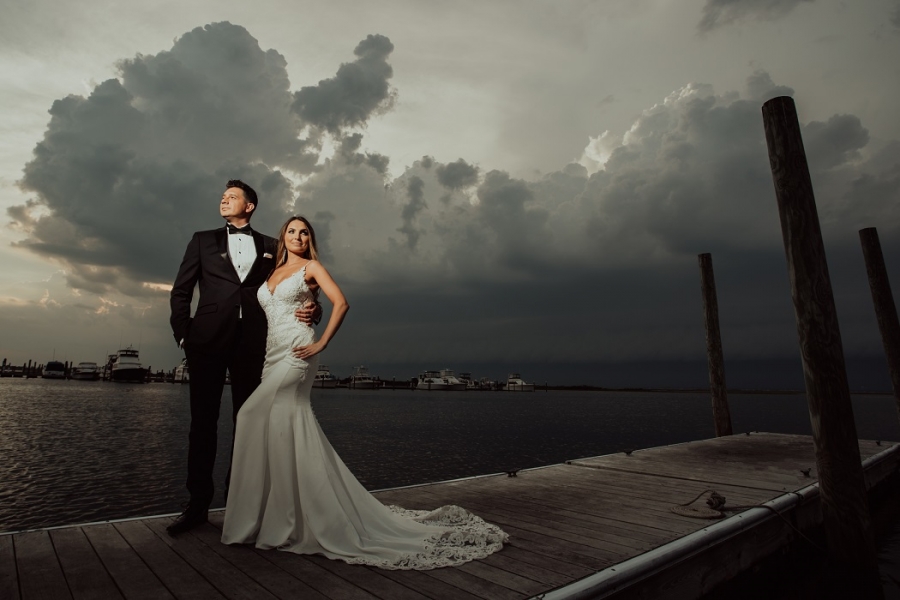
(284, 328)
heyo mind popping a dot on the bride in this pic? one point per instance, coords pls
(289, 488)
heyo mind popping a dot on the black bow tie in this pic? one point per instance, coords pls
(245, 230)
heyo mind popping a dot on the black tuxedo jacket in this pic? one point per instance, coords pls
(223, 297)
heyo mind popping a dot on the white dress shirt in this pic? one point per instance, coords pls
(242, 251)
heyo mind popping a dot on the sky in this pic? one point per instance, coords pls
(503, 185)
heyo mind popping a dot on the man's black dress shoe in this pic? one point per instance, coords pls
(189, 519)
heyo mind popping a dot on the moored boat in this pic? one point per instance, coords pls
(127, 367)
(324, 378)
(515, 383)
(442, 380)
(86, 371)
(467, 379)
(54, 370)
(361, 380)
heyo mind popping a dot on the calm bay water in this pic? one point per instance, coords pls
(77, 452)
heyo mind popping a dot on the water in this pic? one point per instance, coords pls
(76, 452)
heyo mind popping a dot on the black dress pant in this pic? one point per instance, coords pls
(207, 382)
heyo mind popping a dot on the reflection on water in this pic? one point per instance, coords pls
(85, 451)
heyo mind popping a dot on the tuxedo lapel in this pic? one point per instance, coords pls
(222, 250)
(260, 251)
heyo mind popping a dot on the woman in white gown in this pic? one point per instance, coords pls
(289, 489)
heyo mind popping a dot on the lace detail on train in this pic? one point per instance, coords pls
(461, 537)
(291, 491)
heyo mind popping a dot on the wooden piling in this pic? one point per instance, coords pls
(885, 310)
(715, 357)
(845, 510)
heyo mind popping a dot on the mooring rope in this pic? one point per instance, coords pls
(716, 510)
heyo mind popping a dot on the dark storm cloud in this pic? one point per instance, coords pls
(457, 175)
(834, 142)
(414, 189)
(124, 176)
(603, 266)
(760, 87)
(348, 151)
(717, 13)
(358, 90)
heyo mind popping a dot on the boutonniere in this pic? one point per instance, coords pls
(266, 255)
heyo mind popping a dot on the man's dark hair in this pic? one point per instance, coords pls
(249, 192)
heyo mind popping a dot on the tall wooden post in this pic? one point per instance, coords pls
(883, 299)
(715, 357)
(845, 508)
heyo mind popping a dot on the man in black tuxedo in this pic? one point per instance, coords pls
(227, 332)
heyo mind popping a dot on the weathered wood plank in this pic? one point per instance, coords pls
(644, 484)
(229, 582)
(570, 495)
(540, 543)
(623, 506)
(370, 579)
(126, 568)
(321, 580)
(502, 577)
(374, 582)
(565, 570)
(617, 543)
(85, 574)
(318, 579)
(429, 586)
(9, 579)
(529, 509)
(777, 482)
(474, 584)
(179, 577)
(583, 544)
(565, 523)
(506, 561)
(40, 574)
(658, 502)
(242, 558)
(599, 504)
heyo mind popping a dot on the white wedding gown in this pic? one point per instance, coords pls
(291, 491)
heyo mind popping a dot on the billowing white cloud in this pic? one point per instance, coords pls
(124, 176)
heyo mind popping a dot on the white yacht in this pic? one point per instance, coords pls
(86, 371)
(466, 378)
(324, 378)
(182, 374)
(361, 380)
(127, 366)
(515, 383)
(54, 370)
(439, 380)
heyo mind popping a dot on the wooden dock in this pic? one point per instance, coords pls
(598, 527)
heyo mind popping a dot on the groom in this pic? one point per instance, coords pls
(227, 331)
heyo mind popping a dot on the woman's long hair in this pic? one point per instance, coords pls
(311, 252)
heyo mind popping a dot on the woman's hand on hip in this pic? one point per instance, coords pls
(308, 351)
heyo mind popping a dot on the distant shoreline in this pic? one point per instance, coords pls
(594, 388)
